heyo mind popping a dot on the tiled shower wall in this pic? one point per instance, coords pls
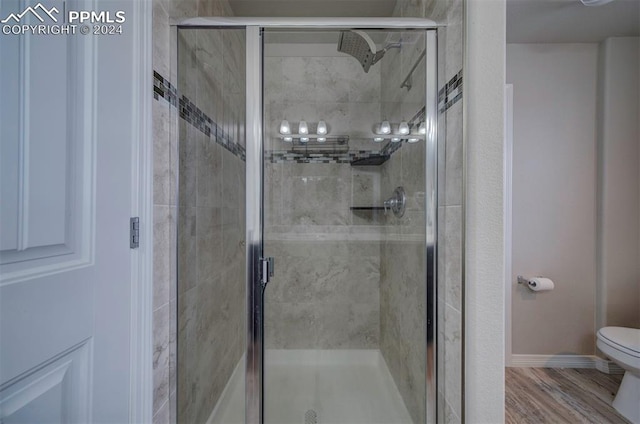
(198, 160)
(401, 337)
(325, 294)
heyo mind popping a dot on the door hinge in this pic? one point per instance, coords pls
(266, 266)
(134, 232)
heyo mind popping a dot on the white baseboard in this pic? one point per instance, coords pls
(565, 361)
(607, 367)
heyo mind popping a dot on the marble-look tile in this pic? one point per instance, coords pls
(453, 352)
(160, 357)
(209, 164)
(454, 43)
(298, 78)
(454, 156)
(363, 87)
(163, 415)
(345, 325)
(289, 325)
(161, 255)
(336, 115)
(173, 349)
(188, 159)
(172, 259)
(273, 80)
(187, 249)
(329, 79)
(161, 51)
(273, 193)
(161, 153)
(187, 66)
(209, 243)
(182, 8)
(319, 196)
(363, 118)
(453, 254)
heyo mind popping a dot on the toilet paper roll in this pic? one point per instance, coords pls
(540, 284)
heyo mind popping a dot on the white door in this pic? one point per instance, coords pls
(66, 199)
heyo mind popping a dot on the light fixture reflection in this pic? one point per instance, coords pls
(321, 139)
(304, 139)
(322, 127)
(378, 139)
(287, 139)
(284, 127)
(413, 140)
(422, 129)
(303, 128)
(385, 127)
(403, 128)
(395, 139)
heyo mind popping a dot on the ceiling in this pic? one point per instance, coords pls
(528, 21)
(313, 8)
(569, 21)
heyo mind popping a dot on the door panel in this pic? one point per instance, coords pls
(66, 185)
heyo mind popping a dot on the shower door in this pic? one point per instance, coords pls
(348, 190)
(320, 306)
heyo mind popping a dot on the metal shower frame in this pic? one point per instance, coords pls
(254, 379)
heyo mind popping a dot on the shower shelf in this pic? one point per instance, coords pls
(396, 204)
(367, 208)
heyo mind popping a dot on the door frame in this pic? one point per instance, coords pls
(254, 378)
(141, 307)
(508, 218)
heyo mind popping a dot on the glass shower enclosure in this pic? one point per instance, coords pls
(307, 222)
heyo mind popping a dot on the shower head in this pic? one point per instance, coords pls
(359, 45)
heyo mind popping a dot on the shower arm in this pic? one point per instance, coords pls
(408, 81)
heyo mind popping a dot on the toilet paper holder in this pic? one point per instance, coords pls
(526, 281)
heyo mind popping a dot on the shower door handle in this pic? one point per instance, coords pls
(266, 266)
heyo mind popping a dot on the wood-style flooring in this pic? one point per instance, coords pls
(558, 395)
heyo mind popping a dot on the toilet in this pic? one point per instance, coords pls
(622, 346)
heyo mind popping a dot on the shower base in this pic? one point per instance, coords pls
(332, 386)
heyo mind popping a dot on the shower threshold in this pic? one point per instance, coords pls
(339, 386)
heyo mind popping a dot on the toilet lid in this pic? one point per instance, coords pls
(622, 338)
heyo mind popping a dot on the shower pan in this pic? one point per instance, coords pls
(305, 292)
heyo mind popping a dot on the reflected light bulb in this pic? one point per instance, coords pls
(378, 139)
(403, 128)
(322, 127)
(385, 127)
(287, 139)
(395, 139)
(304, 139)
(321, 139)
(284, 127)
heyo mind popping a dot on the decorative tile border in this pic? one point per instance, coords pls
(162, 88)
(286, 156)
(450, 93)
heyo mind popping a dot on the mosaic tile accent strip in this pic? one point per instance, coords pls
(286, 156)
(450, 93)
(163, 89)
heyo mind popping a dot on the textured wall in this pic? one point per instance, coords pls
(554, 138)
(619, 183)
(484, 226)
